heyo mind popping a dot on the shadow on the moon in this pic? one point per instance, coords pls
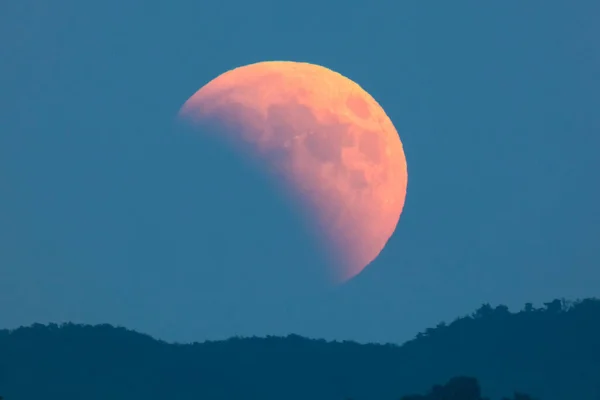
(235, 226)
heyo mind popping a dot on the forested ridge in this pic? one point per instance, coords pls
(550, 353)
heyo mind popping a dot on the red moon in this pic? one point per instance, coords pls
(327, 141)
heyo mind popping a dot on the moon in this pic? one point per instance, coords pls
(327, 142)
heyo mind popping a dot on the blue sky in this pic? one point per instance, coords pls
(105, 212)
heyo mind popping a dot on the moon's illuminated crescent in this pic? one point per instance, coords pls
(329, 141)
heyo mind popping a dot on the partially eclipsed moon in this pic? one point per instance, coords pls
(328, 141)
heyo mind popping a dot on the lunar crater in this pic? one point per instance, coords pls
(358, 106)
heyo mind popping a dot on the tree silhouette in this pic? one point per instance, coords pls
(519, 396)
(554, 307)
(459, 388)
(484, 311)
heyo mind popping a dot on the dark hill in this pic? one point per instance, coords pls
(552, 353)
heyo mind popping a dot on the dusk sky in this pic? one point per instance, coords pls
(109, 215)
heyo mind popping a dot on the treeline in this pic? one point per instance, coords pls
(547, 312)
(460, 388)
(551, 353)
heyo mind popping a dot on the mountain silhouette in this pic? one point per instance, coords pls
(550, 353)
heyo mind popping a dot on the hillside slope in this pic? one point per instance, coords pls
(552, 353)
